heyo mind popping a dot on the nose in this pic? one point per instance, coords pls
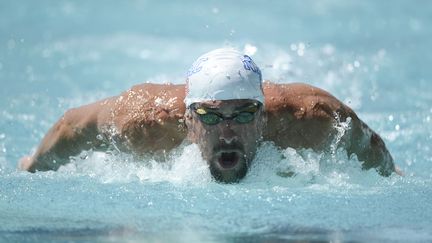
(227, 135)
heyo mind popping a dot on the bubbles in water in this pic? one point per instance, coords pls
(328, 49)
(299, 48)
(381, 53)
(356, 64)
(250, 49)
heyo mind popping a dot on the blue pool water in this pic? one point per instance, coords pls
(373, 55)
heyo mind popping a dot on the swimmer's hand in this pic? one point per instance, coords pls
(25, 163)
(399, 171)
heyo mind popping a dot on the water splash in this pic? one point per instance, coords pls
(185, 166)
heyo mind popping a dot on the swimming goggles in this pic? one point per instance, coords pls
(246, 115)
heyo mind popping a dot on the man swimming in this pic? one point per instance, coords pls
(225, 108)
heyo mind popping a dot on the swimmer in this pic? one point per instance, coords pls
(225, 108)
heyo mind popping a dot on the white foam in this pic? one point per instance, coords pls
(284, 167)
(183, 165)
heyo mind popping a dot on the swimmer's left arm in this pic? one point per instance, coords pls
(359, 139)
(303, 116)
(370, 148)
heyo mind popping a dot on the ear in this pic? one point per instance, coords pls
(187, 118)
(262, 123)
(188, 123)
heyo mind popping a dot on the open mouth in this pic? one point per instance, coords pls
(228, 160)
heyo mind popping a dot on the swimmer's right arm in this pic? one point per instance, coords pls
(77, 130)
(146, 118)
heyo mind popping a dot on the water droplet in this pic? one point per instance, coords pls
(301, 46)
(391, 118)
(328, 49)
(84, 155)
(293, 47)
(356, 64)
(250, 49)
(99, 137)
(381, 53)
(397, 127)
(300, 52)
(408, 162)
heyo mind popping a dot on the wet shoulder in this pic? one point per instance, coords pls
(150, 103)
(300, 100)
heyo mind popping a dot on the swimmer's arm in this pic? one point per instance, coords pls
(303, 116)
(141, 123)
(358, 139)
(73, 133)
(370, 148)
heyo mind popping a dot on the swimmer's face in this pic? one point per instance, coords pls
(228, 134)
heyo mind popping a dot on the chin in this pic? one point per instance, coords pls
(228, 166)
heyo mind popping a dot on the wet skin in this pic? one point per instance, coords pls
(228, 146)
(151, 118)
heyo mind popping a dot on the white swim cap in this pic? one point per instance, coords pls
(223, 74)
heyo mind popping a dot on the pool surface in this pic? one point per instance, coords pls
(373, 55)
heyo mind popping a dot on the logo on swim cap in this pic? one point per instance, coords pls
(250, 65)
(223, 74)
(196, 66)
